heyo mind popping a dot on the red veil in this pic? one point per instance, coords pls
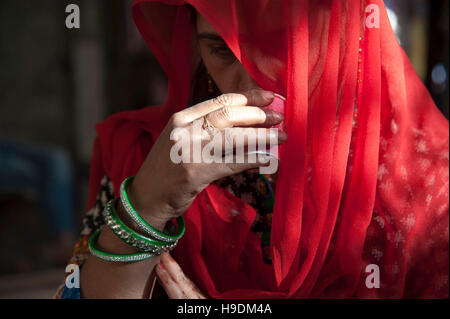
(364, 179)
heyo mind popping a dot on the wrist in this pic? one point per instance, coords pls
(150, 209)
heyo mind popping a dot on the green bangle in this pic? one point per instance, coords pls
(114, 257)
(130, 237)
(142, 223)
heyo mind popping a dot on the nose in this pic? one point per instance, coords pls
(246, 82)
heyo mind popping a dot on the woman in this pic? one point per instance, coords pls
(362, 182)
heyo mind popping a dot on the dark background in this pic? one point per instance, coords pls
(56, 83)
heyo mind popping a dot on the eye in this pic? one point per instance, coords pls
(222, 51)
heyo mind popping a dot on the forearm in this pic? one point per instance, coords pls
(101, 279)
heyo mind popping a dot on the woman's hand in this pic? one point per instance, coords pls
(174, 281)
(162, 189)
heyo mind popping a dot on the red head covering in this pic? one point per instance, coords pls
(364, 176)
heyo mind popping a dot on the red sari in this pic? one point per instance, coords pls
(364, 174)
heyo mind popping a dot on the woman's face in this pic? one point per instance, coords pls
(227, 72)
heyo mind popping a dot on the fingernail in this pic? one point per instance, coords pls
(278, 116)
(268, 95)
(273, 117)
(162, 266)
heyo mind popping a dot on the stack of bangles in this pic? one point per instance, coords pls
(153, 244)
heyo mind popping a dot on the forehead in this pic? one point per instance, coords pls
(203, 26)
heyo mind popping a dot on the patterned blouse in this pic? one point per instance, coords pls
(251, 187)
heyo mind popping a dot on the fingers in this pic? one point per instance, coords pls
(259, 97)
(266, 164)
(174, 281)
(170, 286)
(253, 97)
(240, 137)
(229, 116)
